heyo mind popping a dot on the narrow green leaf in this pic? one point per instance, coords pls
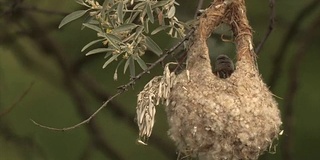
(72, 16)
(110, 60)
(132, 67)
(149, 12)
(88, 19)
(139, 6)
(146, 26)
(80, 2)
(124, 27)
(99, 50)
(120, 12)
(93, 27)
(111, 9)
(160, 3)
(134, 16)
(153, 46)
(141, 63)
(107, 55)
(171, 12)
(138, 32)
(90, 44)
(113, 40)
(126, 66)
(115, 75)
(129, 37)
(155, 31)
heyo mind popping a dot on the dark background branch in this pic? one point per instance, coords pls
(277, 67)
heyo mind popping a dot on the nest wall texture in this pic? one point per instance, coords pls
(213, 118)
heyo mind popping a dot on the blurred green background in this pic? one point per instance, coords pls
(45, 77)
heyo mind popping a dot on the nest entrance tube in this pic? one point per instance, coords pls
(213, 118)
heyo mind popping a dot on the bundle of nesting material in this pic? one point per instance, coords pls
(214, 118)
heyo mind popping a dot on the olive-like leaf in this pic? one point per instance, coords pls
(107, 55)
(160, 3)
(72, 16)
(171, 12)
(134, 16)
(138, 32)
(124, 27)
(115, 75)
(99, 50)
(113, 40)
(149, 12)
(115, 56)
(141, 63)
(155, 31)
(126, 66)
(146, 26)
(139, 6)
(153, 46)
(90, 44)
(132, 67)
(80, 2)
(93, 27)
(120, 12)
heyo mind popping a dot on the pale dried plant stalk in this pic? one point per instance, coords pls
(155, 92)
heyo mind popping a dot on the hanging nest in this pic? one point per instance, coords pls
(214, 118)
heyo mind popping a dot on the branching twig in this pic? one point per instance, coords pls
(270, 26)
(121, 90)
(9, 109)
(49, 47)
(281, 53)
(92, 86)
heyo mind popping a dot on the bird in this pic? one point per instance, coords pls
(223, 66)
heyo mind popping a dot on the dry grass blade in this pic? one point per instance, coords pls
(156, 91)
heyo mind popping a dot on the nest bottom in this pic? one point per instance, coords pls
(233, 118)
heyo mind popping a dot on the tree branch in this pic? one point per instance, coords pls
(121, 89)
(270, 26)
(293, 84)
(281, 53)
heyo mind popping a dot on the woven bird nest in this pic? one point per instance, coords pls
(214, 118)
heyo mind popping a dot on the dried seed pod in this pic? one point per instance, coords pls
(214, 118)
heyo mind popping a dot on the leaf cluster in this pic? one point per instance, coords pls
(122, 26)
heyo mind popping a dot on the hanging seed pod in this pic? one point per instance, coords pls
(215, 118)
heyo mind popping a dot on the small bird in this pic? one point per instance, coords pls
(223, 67)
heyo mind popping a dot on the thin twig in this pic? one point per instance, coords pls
(23, 95)
(83, 122)
(96, 133)
(281, 53)
(200, 4)
(119, 112)
(270, 26)
(47, 46)
(293, 85)
(121, 90)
